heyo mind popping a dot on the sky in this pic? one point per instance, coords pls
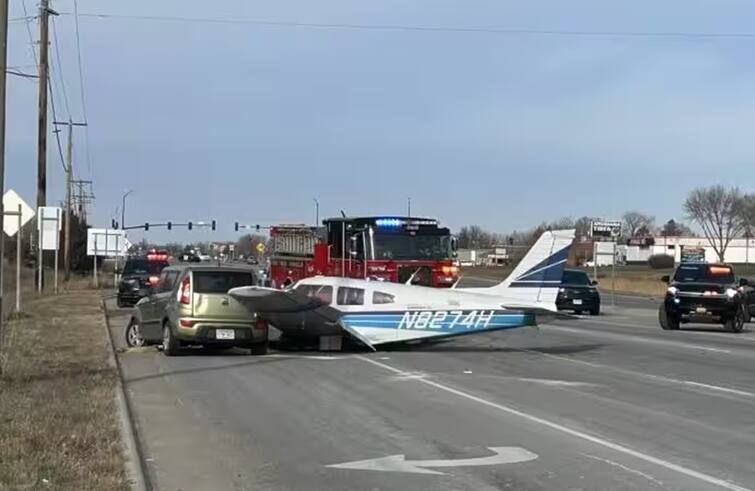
(250, 123)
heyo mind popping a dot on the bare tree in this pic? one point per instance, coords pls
(637, 224)
(748, 214)
(673, 228)
(720, 212)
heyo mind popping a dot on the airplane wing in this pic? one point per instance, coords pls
(263, 299)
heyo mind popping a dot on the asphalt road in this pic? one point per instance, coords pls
(586, 404)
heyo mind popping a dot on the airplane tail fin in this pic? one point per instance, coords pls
(535, 281)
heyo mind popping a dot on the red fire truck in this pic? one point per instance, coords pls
(397, 249)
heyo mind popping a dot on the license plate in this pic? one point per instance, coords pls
(701, 310)
(577, 301)
(225, 334)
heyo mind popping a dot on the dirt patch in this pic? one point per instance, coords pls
(59, 426)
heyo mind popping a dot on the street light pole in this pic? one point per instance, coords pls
(317, 212)
(123, 208)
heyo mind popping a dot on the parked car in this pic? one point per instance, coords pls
(139, 274)
(190, 305)
(709, 293)
(578, 293)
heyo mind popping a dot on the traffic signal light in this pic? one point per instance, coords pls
(236, 226)
(146, 227)
(170, 225)
(213, 224)
(113, 223)
(190, 225)
(258, 227)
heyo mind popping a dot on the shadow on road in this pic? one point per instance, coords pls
(451, 348)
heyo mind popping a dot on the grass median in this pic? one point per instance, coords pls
(637, 280)
(59, 425)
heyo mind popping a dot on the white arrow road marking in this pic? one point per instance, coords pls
(687, 471)
(397, 463)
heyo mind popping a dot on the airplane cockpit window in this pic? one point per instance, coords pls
(382, 298)
(324, 293)
(350, 296)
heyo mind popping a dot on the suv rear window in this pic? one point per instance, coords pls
(143, 266)
(220, 281)
(704, 273)
(575, 278)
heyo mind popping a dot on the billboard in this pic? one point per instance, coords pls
(606, 229)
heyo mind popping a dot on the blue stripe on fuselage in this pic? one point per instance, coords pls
(440, 321)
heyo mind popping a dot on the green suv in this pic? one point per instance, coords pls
(190, 305)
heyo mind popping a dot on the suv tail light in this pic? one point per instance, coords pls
(184, 293)
(260, 324)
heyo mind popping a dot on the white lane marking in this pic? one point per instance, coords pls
(554, 383)
(701, 476)
(398, 463)
(705, 348)
(657, 378)
(719, 388)
(409, 376)
(628, 469)
(308, 357)
(634, 339)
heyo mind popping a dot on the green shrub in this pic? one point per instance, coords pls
(661, 261)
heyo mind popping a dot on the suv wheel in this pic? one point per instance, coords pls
(736, 323)
(134, 338)
(170, 343)
(668, 322)
(259, 349)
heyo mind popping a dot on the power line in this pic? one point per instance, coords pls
(60, 69)
(398, 27)
(56, 131)
(31, 38)
(81, 86)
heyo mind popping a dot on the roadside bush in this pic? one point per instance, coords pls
(661, 261)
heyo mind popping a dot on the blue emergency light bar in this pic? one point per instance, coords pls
(389, 222)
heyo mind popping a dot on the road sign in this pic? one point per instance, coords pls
(397, 463)
(106, 242)
(49, 225)
(261, 248)
(11, 200)
(608, 229)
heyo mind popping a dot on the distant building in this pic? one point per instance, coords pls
(739, 251)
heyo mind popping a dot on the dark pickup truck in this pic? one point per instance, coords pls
(710, 293)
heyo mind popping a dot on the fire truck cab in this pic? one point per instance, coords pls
(397, 249)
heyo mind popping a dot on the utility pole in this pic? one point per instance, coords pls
(3, 76)
(44, 42)
(317, 212)
(69, 192)
(44, 77)
(409, 207)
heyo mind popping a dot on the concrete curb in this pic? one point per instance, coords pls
(135, 464)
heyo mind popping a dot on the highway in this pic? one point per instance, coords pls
(611, 402)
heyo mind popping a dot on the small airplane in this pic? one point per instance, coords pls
(377, 313)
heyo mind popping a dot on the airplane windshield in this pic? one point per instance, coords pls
(406, 247)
